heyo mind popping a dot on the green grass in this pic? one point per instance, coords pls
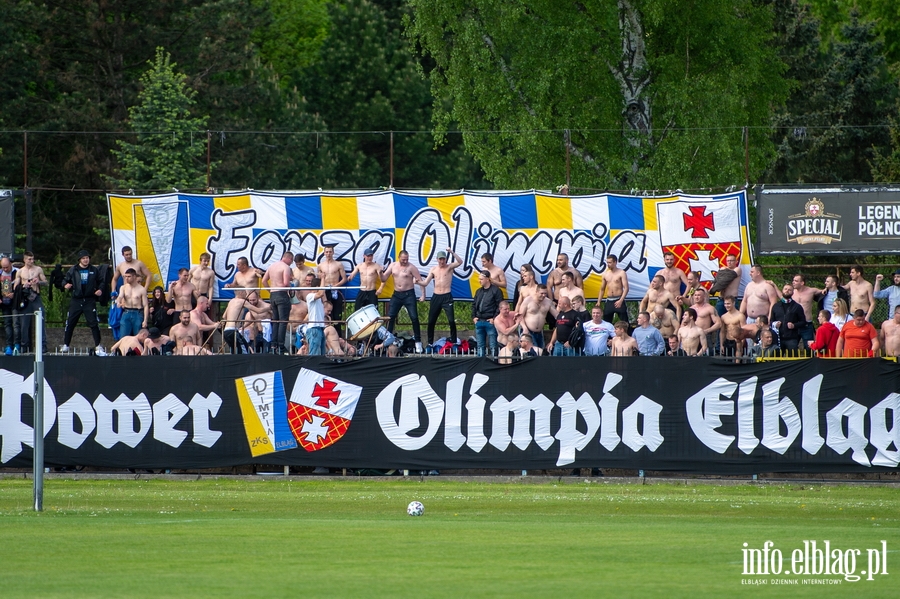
(284, 538)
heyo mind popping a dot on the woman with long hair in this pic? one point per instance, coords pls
(839, 314)
(159, 311)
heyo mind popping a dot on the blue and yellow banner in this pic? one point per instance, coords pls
(170, 231)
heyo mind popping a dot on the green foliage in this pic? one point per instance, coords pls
(665, 112)
(165, 154)
(367, 80)
(885, 164)
(837, 115)
(884, 15)
(292, 38)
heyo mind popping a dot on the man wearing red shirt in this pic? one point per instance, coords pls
(859, 338)
(826, 336)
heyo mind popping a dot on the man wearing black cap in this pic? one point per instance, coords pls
(891, 293)
(83, 280)
(370, 282)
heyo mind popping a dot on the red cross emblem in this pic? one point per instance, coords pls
(699, 222)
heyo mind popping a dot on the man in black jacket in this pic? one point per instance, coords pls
(485, 307)
(788, 318)
(83, 280)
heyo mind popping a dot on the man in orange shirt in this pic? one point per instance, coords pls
(858, 338)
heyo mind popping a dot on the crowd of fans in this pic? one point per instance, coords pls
(676, 317)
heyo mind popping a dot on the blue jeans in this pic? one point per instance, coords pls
(315, 337)
(561, 350)
(131, 322)
(485, 329)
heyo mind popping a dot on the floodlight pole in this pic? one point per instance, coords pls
(38, 411)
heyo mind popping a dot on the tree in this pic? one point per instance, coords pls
(165, 154)
(642, 93)
(838, 114)
(367, 82)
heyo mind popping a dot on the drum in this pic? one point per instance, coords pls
(363, 323)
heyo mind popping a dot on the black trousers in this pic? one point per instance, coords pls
(441, 301)
(77, 307)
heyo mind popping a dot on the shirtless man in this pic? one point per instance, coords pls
(554, 279)
(693, 284)
(861, 293)
(672, 276)
(184, 330)
(506, 323)
(568, 288)
(890, 334)
(658, 295)
(232, 320)
(510, 350)
(255, 320)
(203, 279)
(134, 304)
(155, 342)
(691, 336)
(299, 309)
(128, 343)
(200, 317)
(130, 262)
(623, 344)
(300, 270)
(32, 278)
(278, 277)
(192, 349)
(405, 277)
(533, 314)
(664, 320)
(759, 296)
(442, 298)
(805, 296)
(706, 317)
(732, 333)
(182, 291)
(369, 280)
(245, 277)
(731, 264)
(614, 283)
(498, 277)
(332, 274)
(528, 285)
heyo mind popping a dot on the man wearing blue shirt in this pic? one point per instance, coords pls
(891, 293)
(649, 340)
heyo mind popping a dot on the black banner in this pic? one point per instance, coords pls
(683, 414)
(828, 221)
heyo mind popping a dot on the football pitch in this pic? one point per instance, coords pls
(276, 537)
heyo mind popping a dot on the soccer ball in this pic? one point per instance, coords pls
(415, 508)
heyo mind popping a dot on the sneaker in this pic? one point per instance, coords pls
(419, 347)
(8, 351)
(100, 351)
(17, 350)
(64, 349)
